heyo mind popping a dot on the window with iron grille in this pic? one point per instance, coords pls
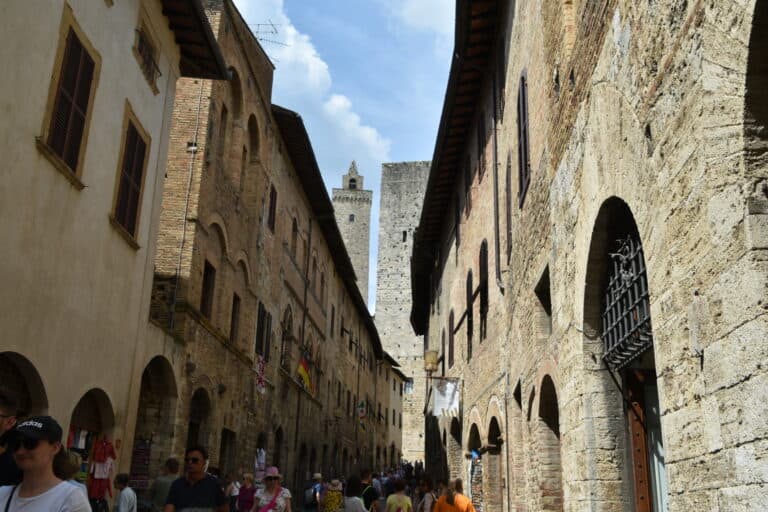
(131, 178)
(209, 284)
(70, 110)
(626, 318)
(272, 208)
(523, 157)
(146, 53)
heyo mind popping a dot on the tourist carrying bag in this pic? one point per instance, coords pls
(10, 497)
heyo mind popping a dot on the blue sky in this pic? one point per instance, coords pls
(367, 76)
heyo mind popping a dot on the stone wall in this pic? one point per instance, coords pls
(643, 126)
(402, 192)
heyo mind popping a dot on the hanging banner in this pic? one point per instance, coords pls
(445, 397)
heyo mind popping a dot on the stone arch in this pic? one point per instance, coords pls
(242, 265)
(20, 377)
(200, 409)
(756, 93)
(254, 141)
(454, 451)
(547, 436)
(92, 418)
(616, 271)
(493, 481)
(155, 419)
(218, 229)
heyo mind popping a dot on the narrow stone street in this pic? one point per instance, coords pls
(280, 256)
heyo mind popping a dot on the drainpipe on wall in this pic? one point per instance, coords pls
(497, 242)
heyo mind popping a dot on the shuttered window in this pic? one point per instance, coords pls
(70, 110)
(209, 284)
(131, 177)
(523, 157)
(263, 332)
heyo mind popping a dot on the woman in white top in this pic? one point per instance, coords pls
(35, 443)
(273, 497)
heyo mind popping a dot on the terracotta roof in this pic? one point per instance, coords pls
(302, 155)
(200, 53)
(477, 22)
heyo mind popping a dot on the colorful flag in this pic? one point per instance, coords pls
(303, 371)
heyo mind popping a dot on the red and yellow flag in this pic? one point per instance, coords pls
(303, 371)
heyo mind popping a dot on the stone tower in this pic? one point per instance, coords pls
(402, 193)
(352, 205)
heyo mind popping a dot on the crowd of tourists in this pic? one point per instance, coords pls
(37, 474)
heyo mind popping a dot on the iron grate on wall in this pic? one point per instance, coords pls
(626, 317)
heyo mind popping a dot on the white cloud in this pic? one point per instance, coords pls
(427, 15)
(339, 108)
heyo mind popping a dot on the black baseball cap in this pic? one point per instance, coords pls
(39, 427)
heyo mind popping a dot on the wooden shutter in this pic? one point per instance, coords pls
(65, 134)
(131, 174)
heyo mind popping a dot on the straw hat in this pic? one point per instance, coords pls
(273, 472)
(317, 476)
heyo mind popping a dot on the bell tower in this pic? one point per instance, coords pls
(352, 205)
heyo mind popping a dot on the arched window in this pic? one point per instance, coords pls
(352, 184)
(483, 265)
(450, 340)
(294, 238)
(470, 314)
(287, 338)
(253, 138)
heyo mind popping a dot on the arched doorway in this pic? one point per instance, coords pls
(474, 445)
(153, 436)
(617, 325)
(19, 376)
(493, 479)
(90, 435)
(548, 448)
(454, 449)
(199, 413)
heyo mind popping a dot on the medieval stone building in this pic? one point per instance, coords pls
(402, 191)
(277, 359)
(352, 206)
(590, 261)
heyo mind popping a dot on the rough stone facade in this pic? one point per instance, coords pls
(402, 191)
(252, 282)
(645, 122)
(352, 205)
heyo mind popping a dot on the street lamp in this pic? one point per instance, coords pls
(430, 362)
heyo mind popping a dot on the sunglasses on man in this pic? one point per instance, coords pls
(193, 460)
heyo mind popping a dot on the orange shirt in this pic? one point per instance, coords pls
(460, 504)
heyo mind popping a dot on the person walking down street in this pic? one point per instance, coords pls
(196, 489)
(126, 498)
(399, 502)
(36, 447)
(232, 491)
(313, 493)
(428, 496)
(353, 502)
(246, 494)
(158, 492)
(273, 497)
(454, 500)
(369, 495)
(10, 474)
(333, 501)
